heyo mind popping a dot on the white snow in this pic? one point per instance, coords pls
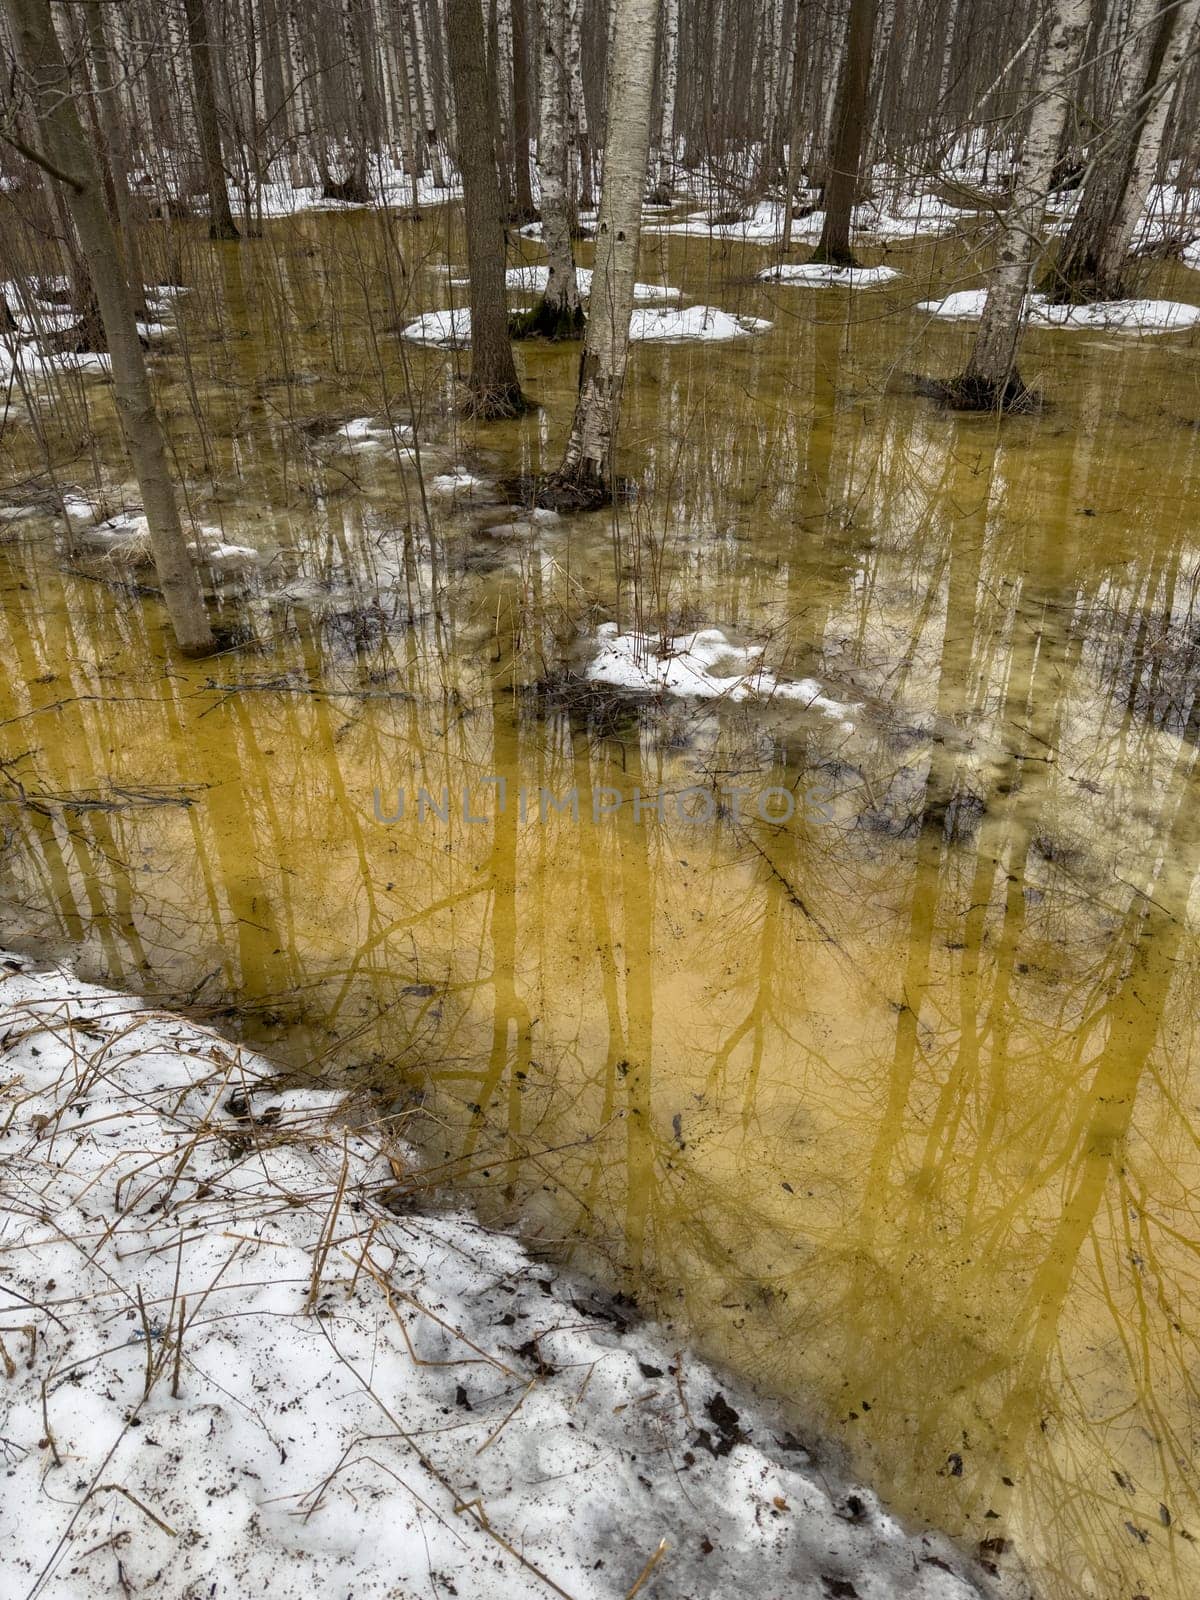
(374, 433)
(388, 182)
(820, 275)
(533, 280)
(695, 323)
(457, 484)
(236, 1361)
(1118, 316)
(763, 223)
(130, 530)
(447, 330)
(705, 665)
(80, 511)
(124, 528)
(212, 550)
(35, 364)
(451, 330)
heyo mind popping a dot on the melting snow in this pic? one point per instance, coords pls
(533, 280)
(447, 330)
(237, 1362)
(1121, 316)
(462, 484)
(705, 665)
(374, 434)
(451, 330)
(695, 323)
(821, 276)
(763, 224)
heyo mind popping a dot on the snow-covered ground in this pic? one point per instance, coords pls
(1113, 316)
(445, 330)
(451, 330)
(819, 275)
(695, 324)
(533, 278)
(388, 183)
(237, 1360)
(918, 214)
(705, 665)
(23, 354)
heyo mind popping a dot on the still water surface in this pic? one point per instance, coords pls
(893, 1108)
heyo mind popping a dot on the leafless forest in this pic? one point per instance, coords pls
(119, 113)
(607, 591)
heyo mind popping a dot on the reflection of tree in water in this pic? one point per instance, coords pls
(899, 1109)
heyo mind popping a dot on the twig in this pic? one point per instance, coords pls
(140, 1504)
(179, 1347)
(648, 1568)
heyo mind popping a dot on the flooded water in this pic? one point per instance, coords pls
(893, 1107)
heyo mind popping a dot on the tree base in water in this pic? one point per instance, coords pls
(1084, 291)
(494, 404)
(973, 393)
(573, 489)
(223, 230)
(352, 190)
(833, 255)
(547, 321)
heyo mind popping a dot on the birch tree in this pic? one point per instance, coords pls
(991, 379)
(668, 81)
(1095, 255)
(495, 390)
(585, 477)
(558, 314)
(849, 124)
(68, 155)
(208, 124)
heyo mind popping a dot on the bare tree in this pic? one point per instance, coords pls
(849, 124)
(558, 314)
(586, 474)
(668, 83)
(493, 383)
(220, 218)
(69, 157)
(1095, 255)
(991, 379)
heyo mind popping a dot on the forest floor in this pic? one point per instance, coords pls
(242, 1355)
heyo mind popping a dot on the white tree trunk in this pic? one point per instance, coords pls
(1183, 42)
(561, 300)
(425, 85)
(577, 118)
(665, 172)
(54, 96)
(587, 465)
(991, 372)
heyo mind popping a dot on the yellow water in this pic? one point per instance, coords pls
(894, 1108)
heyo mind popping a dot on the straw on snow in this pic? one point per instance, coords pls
(234, 1365)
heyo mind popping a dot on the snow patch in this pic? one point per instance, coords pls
(1119, 316)
(238, 1359)
(372, 434)
(763, 223)
(533, 280)
(33, 363)
(457, 485)
(445, 330)
(695, 323)
(820, 275)
(451, 330)
(705, 665)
